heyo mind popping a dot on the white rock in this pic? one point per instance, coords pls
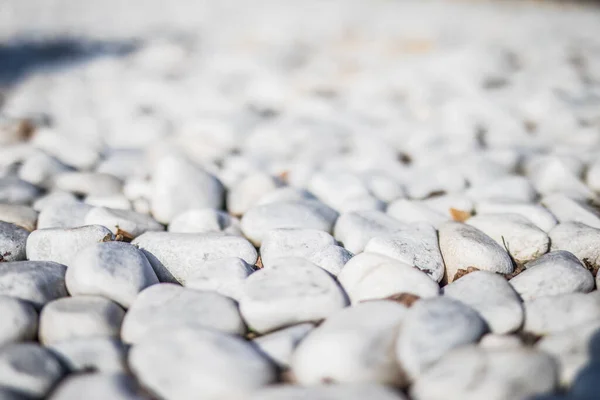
(18, 321)
(355, 229)
(523, 240)
(331, 258)
(535, 213)
(37, 282)
(289, 292)
(13, 240)
(566, 209)
(54, 198)
(464, 246)
(40, 169)
(224, 366)
(285, 194)
(23, 216)
(347, 391)
(97, 387)
(364, 203)
(496, 341)
(492, 297)
(298, 214)
(581, 240)
(355, 345)
(131, 222)
(115, 270)
(175, 256)
(178, 185)
(115, 201)
(551, 175)
(517, 188)
(16, 191)
(204, 221)
(246, 193)
(123, 164)
(555, 273)
(336, 188)
(29, 370)
(76, 154)
(88, 183)
(409, 211)
(170, 307)
(429, 180)
(79, 317)
(62, 244)
(551, 314)
(504, 374)
(415, 244)
(433, 327)
(370, 276)
(444, 203)
(225, 276)
(63, 214)
(99, 354)
(280, 345)
(384, 186)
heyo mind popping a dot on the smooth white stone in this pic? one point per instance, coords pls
(535, 213)
(426, 181)
(246, 193)
(74, 153)
(551, 314)
(344, 391)
(551, 175)
(384, 187)
(115, 201)
(409, 211)
(492, 297)
(370, 276)
(123, 164)
(415, 244)
(464, 246)
(62, 244)
(555, 273)
(54, 198)
(175, 256)
(40, 169)
(23, 216)
(331, 258)
(204, 221)
(225, 276)
(280, 345)
(98, 387)
(170, 307)
(285, 194)
(300, 214)
(98, 354)
(289, 292)
(88, 183)
(79, 317)
(37, 282)
(517, 188)
(581, 240)
(224, 366)
(130, 222)
(63, 214)
(335, 188)
(566, 209)
(18, 321)
(496, 341)
(433, 327)
(444, 203)
(355, 229)
(16, 191)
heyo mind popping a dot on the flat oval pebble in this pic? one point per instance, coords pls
(433, 327)
(98, 354)
(115, 270)
(471, 373)
(175, 256)
(280, 345)
(224, 366)
(343, 391)
(98, 387)
(29, 369)
(171, 307)
(225, 276)
(581, 240)
(551, 314)
(535, 213)
(128, 222)
(355, 229)
(79, 317)
(355, 345)
(204, 221)
(492, 297)
(13, 240)
(307, 214)
(23, 216)
(37, 282)
(62, 244)
(370, 276)
(555, 273)
(415, 244)
(289, 292)
(464, 246)
(18, 320)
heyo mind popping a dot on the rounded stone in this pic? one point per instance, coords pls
(98, 387)
(37, 282)
(18, 320)
(13, 240)
(225, 276)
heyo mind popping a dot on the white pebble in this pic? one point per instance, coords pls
(204, 221)
(281, 344)
(130, 223)
(37, 282)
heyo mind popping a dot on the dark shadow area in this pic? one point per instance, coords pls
(21, 57)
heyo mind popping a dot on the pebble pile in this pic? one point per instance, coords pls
(364, 209)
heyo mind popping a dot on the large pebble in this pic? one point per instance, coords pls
(433, 327)
(306, 214)
(88, 183)
(29, 369)
(355, 229)
(414, 244)
(127, 222)
(492, 297)
(581, 240)
(289, 292)
(246, 193)
(370, 276)
(79, 317)
(225, 276)
(523, 240)
(175, 256)
(472, 373)
(409, 211)
(115, 270)
(170, 307)
(566, 209)
(178, 185)
(99, 354)
(204, 221)
(280, 345)
(516, 188)
(63, 213)
(355, 345)
(342, 391)
(23, 216)
(551, 314)
(75, 153)
(37, 282)
(62, 244)
(464, 246)
(224, 366)
(535, 213)
(18, 320)
(98, 387)
(16, 191)
(13, 240)
(555, 273)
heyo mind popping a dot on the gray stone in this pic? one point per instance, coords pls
(16, 191)
(98, 354)
(126, 222)
(225, 276)
(23, 216)
(280, 345)
(204, 221)
(18, 321)
(13, 240)
(37, 282)
(98, 387)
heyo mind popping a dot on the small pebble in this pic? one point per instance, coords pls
(281, 344)
(355, 229)
(410, 211)
(204, 221)
(98, 354)
(246, 193)
(128, 223)
(65, 213)
(40, 169)
(551, 314)
(581, 240)
(225, 276)
(16, 191)
(566, 209)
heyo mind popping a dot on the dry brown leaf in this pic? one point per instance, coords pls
(259, 263)
(123, 236)
(462, 272)
(459, 215)
(403, 298)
